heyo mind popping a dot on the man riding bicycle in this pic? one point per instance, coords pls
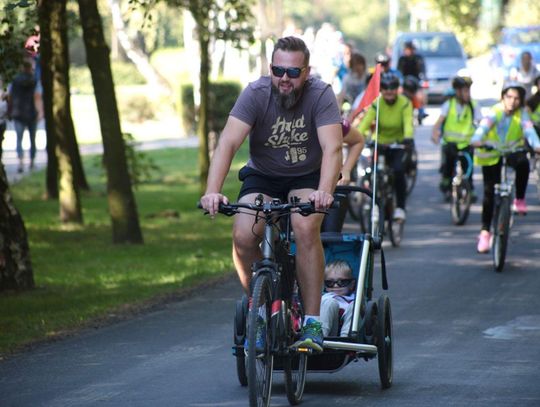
(295, 141)
(506, 126)
(395, 126)
(455, 126)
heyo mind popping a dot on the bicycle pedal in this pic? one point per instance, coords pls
(303, 350)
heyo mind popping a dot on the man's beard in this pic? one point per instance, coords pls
(286, 101)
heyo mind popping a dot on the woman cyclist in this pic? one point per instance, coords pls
(507, 125)
(395, 126)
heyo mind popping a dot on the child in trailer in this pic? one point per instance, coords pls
(338, 299)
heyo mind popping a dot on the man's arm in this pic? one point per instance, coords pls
(331, 139)
(230, 140)
(365, 123)
(408, 116)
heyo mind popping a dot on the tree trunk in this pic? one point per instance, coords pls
(45, 51)
(56, 95)
(202, 128)
(67, 151)
(122, 206)
(15, 265)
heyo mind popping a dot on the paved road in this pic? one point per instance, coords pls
(464, 335)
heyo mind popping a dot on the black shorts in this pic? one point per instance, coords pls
(276, 187)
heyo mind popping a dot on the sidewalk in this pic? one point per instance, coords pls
(11, 163)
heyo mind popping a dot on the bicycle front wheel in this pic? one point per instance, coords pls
(461, 202)
(501, 232)
(295, 364)
(412, 171)
(260, 361)
(295, 368)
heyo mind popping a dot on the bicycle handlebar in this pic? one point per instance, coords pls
(503, 151)
(303, 208)
(392, 146)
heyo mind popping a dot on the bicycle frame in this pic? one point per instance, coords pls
(506, 186)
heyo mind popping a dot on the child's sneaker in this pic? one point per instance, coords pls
(483, 242)
(311, 336)
(520, 207)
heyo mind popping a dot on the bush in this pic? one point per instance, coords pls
(136, 109)
(124, 73)
(222, 96)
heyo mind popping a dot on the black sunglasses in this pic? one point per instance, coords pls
(342, 282)
(292, 73)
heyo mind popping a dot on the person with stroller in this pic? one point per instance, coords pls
(454, 129)
(395, 126)
(337, 301)
(507, 125)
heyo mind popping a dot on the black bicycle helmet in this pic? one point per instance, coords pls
(382, 58)
(389, 81)
(411, 83)
(460, 82)
(517, 86)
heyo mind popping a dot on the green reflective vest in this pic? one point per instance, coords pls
(459, 129)
(513, 139)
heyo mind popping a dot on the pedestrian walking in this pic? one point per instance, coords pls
(25, 108)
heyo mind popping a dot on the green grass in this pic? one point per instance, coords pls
(82, 277)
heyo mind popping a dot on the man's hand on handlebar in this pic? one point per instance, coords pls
(210, 202)
(321, 199)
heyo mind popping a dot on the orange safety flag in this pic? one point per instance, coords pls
(372, 91)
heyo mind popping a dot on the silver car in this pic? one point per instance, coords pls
(443, 56)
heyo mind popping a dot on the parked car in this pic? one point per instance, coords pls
(514, 40)
(443, 56)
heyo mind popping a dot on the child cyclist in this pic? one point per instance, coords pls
(455, 127)
(506, 126)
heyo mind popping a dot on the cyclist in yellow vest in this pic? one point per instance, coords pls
(395, 126)
(455, 126)
(507, 125)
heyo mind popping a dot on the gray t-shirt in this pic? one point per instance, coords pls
(284, 142)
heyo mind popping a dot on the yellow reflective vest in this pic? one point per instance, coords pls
(459, 128)
(514, 138)
(535, 116)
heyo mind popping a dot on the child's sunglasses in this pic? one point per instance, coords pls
(342, 282)
(292, 73)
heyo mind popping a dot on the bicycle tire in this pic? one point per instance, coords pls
(260, 362)
(412, 172)
(461, 202)
(295, 365)
(500, 233)
(385, 341)
(239, 337)
(395, 228)
(360, 206)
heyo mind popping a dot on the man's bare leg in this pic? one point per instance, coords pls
(246, 239)
(310, 255)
